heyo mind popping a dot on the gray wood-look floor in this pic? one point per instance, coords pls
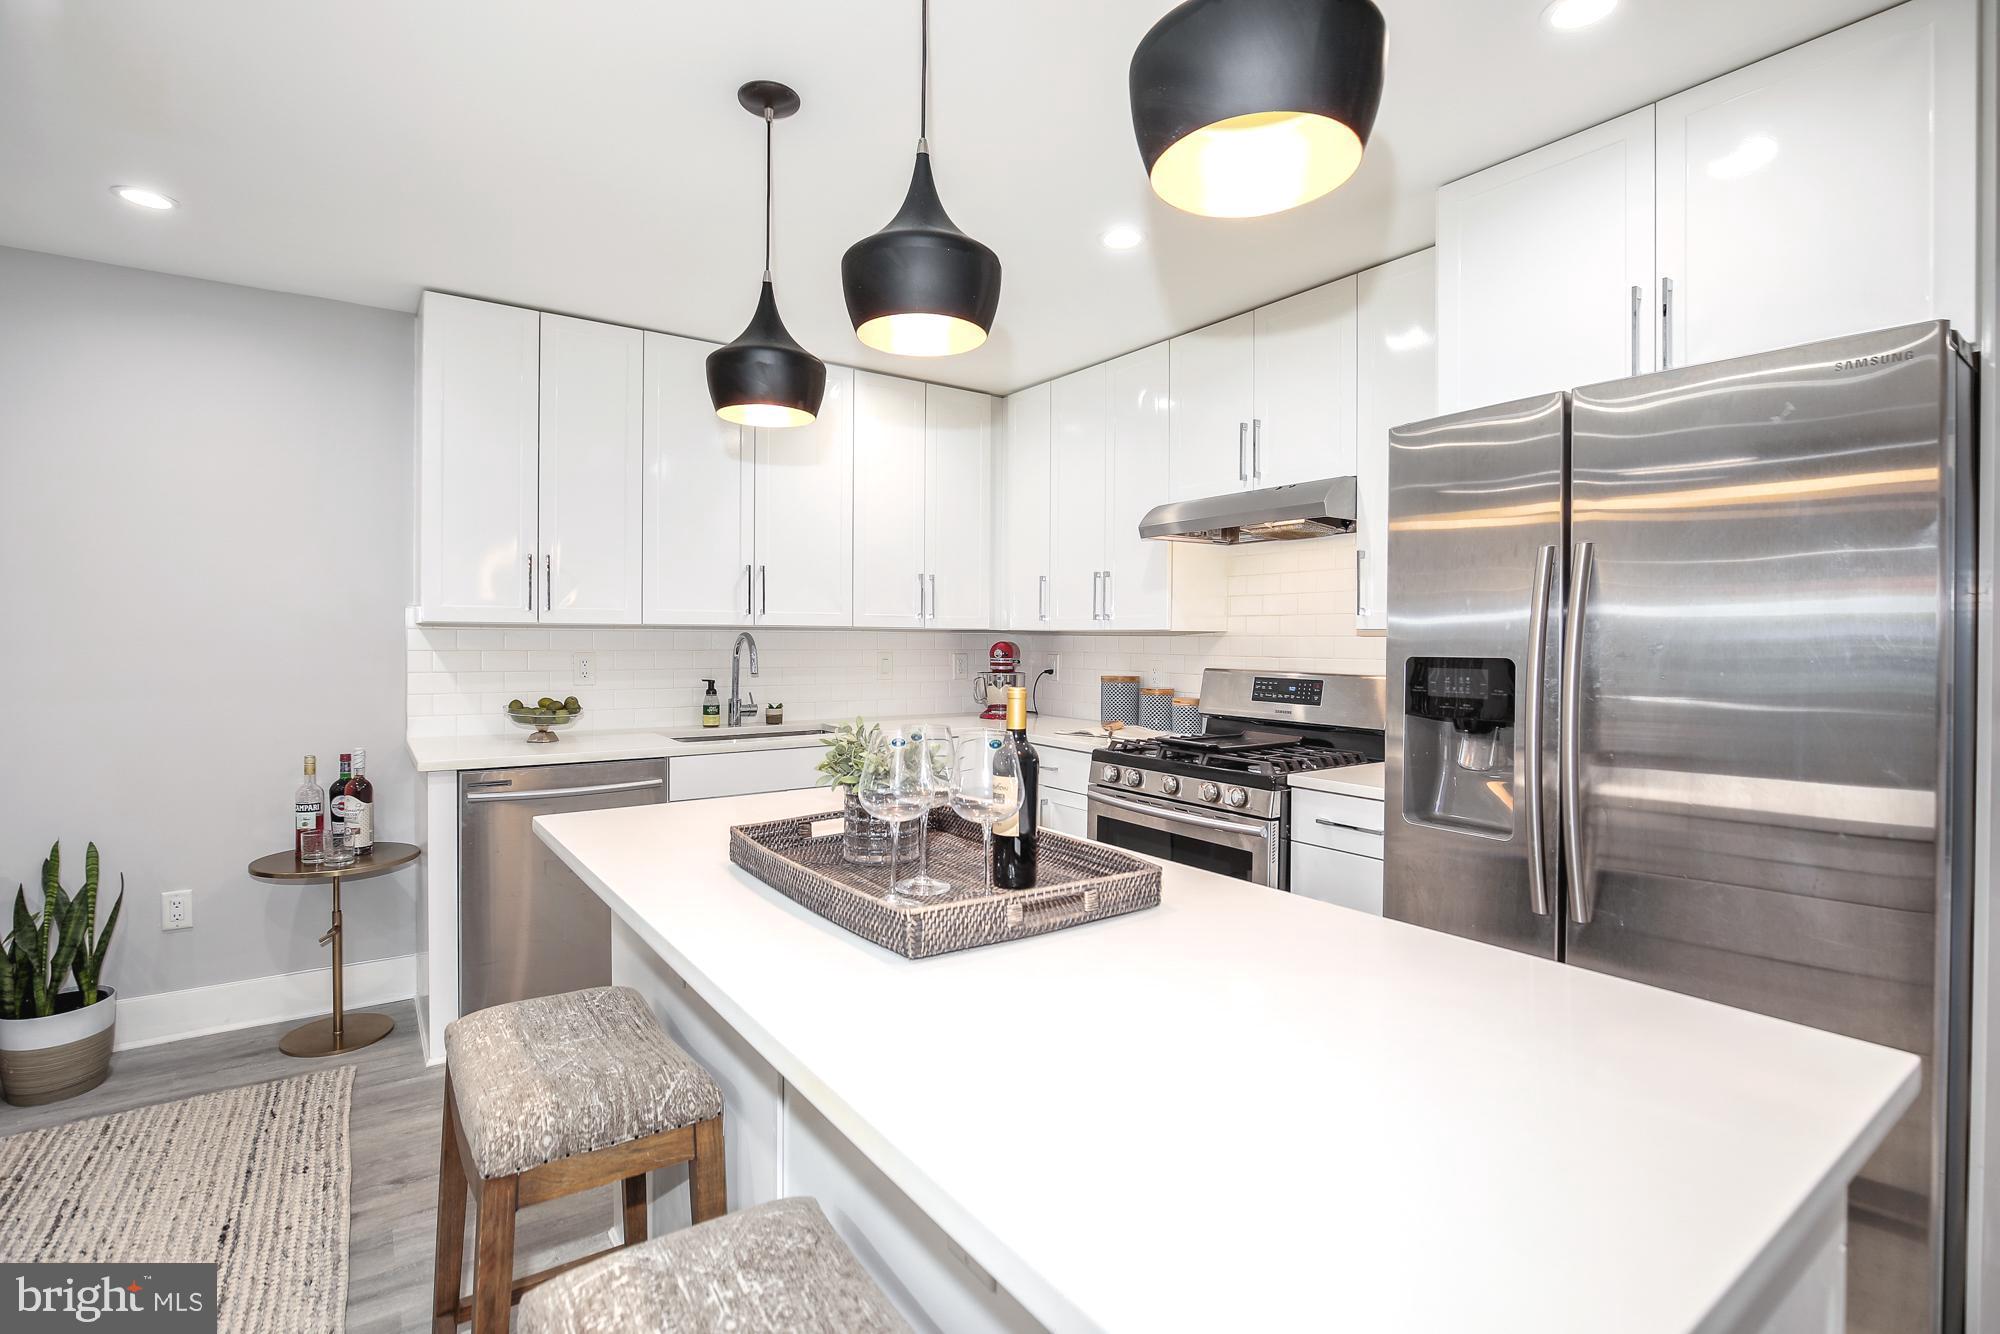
(393, 1142)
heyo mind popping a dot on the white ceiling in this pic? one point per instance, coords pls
(590, 157)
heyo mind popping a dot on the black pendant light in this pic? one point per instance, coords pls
(765, 378)
(920, 287)
(1249, 107)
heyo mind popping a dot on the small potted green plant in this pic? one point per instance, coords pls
(56, 1043)
(773, 714)
(864, 839)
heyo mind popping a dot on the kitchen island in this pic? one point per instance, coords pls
(1246, 1110)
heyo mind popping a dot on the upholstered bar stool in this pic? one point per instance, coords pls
(777, 1267)
(547, 1097)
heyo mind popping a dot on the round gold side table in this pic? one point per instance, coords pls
(338, 1031)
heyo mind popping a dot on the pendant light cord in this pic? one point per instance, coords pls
(768, 118)
(924, 82)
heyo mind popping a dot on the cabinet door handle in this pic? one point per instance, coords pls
(1360, 581)
(749, 591)
(1256, 449)
(763, 590)
(1107, 595)
(920, 596)
(1097, 595)
(1666, 324)
(548, 583)
(1042, 598)
(531, 581)
(1638, 305)
(1242, 447)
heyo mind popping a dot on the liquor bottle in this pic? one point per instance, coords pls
(1014, 837)
(309, 816)
(336, 823)
(356, 806)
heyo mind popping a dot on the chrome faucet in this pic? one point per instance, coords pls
(739, 707)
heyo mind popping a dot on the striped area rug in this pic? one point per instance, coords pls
(253, 1179)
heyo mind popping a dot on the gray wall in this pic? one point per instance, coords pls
(205, 537)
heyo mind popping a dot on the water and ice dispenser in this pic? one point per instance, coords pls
(1458, 744)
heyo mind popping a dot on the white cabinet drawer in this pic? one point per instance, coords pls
(1064, 770)
(1320, 816)
(1345, 879)
(692, 777)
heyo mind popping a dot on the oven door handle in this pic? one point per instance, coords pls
(1195, 818)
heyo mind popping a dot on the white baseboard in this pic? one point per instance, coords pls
(168, 1016)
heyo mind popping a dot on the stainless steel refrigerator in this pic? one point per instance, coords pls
(1681, 690)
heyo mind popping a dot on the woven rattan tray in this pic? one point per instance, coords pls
(1075, 882)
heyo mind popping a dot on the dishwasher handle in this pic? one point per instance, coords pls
(550, 793)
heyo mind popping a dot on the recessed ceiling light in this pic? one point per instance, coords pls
(1569, 15)
(1121, 237)
(144, 198)
(1753, 153)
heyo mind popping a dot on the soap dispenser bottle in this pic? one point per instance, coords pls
(711, 705)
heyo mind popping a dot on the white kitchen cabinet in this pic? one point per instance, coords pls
(1079, 418)
(1065, 812)
(478, 500)
(1138, 574)
(1827, 190)
(1063, 770)
(700, 482)
(1302, 427)
(592, 462)
(1545, 268)
(958, 508)
(889, 516)
(1024, 510)
(1347, 879)
(805, 514)
(1214, 397)
(1396, 353)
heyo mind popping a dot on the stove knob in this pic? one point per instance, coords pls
(1210, 792)
(1170, 785)
(1112, 773)
(1133, 778)
(1238, 797)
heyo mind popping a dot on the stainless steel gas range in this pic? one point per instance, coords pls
(1221, 800)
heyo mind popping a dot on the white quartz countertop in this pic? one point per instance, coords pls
(1361, 780)
(438, 753)
(1244, 1109)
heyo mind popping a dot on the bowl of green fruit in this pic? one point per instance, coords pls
(544, 715)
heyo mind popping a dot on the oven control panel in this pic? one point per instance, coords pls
(1301, 690)
(1163, 792)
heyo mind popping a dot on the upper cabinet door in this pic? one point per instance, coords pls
(958, 508)
(1303, 425)
(1545, 268)
(1828, 190)
(592, 466)
(698, 519)
(1077, 468)
(1214, 375)
(1139, 587)
(476, 481)
(1396, 339)
(805, 514)
(889, 516)
(1024, 538)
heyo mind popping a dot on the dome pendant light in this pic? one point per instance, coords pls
(920, 287)
(765, 378)
(1249, 107)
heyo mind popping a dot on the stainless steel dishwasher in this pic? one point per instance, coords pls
(527, 926)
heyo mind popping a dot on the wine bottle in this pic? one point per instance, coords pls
(336, 810)
(355, 806)
(1014, 837)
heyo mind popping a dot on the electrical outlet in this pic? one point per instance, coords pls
(177, 910)
(1155, 677)
(1055, 667)
(885, 665)
(959, 666)
(582, 668)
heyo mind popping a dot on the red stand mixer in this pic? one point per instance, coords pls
(1003, 669)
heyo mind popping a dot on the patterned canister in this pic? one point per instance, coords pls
(1187, 715)
(1118, 699)
(1156, 708)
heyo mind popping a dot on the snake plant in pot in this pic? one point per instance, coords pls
(55, 1042)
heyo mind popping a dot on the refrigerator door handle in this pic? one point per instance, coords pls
(1666, 324)
(1538, 645)
(1570, 724)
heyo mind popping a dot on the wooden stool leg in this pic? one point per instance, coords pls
(450, 1223)
(635, 1208)
(707, 1186)
(493, 1256)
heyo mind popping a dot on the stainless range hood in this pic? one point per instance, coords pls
(1272, 514)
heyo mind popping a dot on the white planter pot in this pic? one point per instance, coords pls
(62, 1055)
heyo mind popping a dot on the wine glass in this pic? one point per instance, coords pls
(934, 747)
(895, 786)
(986, 783)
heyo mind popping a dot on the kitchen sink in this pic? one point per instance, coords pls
(750, 733)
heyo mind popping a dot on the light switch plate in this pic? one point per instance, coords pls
(885, 665)
(583, 668)
(177, 910)
(959, 666)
